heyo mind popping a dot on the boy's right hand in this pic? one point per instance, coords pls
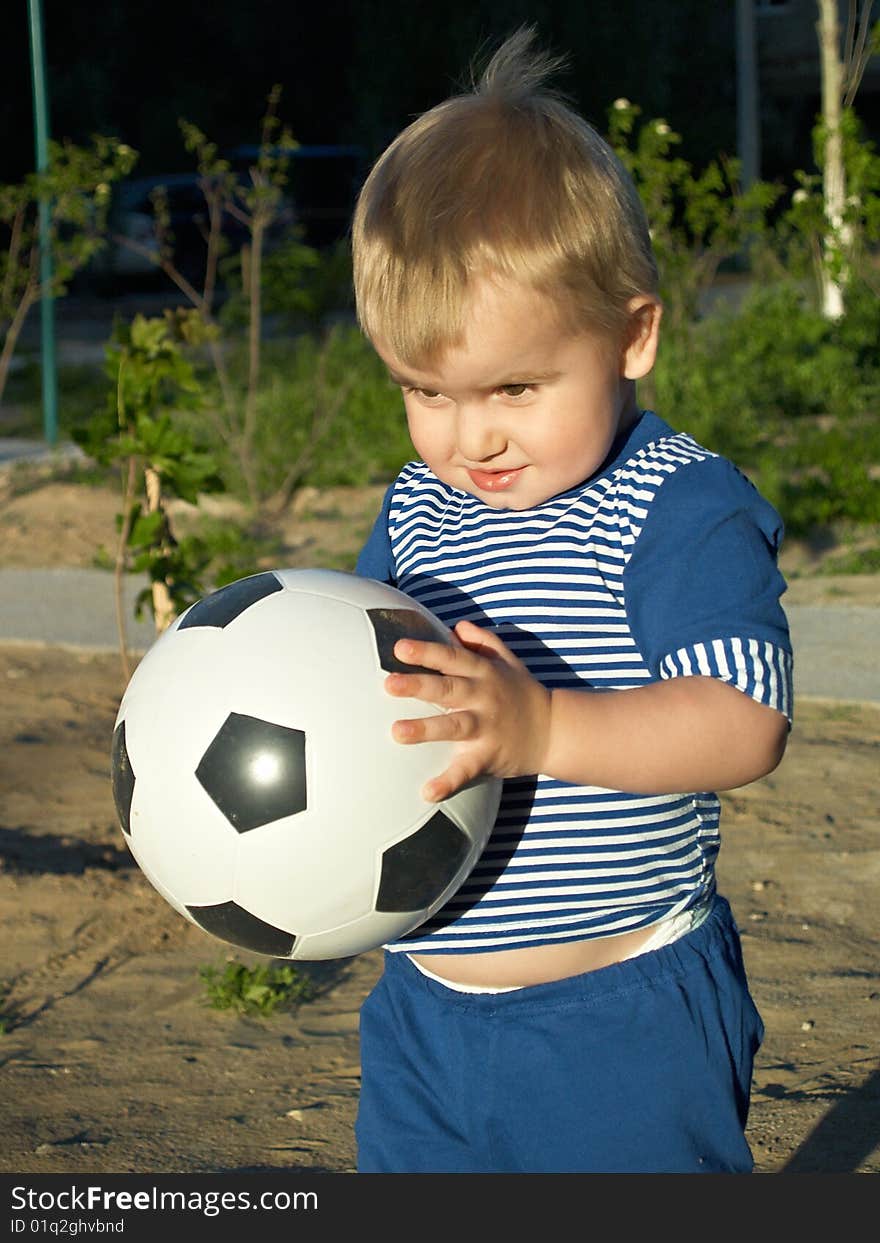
(494, 710)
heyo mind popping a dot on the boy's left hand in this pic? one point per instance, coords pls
(496, 712)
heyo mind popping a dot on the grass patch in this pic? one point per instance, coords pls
(856, 561)
(22, 478)
(842, 712)
(262, 990)
(82, 391)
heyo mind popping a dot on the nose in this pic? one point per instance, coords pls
(479, 435)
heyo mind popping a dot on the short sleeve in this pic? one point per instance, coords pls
(702, 586)
(376, 559)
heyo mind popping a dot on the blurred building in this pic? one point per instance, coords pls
(788, 48)
(780, 83)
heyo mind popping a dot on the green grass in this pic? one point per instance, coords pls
(82, 390)
(841, 712)
(260, 990)
(856, 561)
(22, 478)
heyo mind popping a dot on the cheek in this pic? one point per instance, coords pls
(565, 442)
(414, 425)
(425, 433)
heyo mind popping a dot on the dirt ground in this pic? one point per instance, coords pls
(112, 1061)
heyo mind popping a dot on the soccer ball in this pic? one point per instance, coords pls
(256, 780)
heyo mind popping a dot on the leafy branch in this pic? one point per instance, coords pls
(697, 219)
(257, 204)
(151, 379)
(76, 189)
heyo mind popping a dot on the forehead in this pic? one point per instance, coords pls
(509, 332)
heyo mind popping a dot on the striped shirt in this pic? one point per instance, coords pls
(661, 565)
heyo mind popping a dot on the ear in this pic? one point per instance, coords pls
(640, 349)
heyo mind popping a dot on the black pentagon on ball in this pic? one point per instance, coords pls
(223, 606)
(230, 922)
(255, 771)
(389, 625)
(417, 870)
(121, 777)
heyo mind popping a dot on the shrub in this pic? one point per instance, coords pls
(260, 990)
(327, 415)
(790, 396)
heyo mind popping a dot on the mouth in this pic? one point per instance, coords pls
(494, 480)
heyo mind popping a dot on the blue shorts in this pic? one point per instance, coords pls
(641, 1067)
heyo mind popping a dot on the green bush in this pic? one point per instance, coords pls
(327, 415)
(82, 390)
(831, 478)
(222, 550)
(369, 441)
(301, 286)
(791, 397)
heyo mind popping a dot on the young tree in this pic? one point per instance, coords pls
(150, 380)
(842, 68)
(256, 203)
(76, 185)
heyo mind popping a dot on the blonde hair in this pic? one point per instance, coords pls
(505, 181)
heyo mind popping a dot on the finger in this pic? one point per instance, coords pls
(458, 774)
(440, 690)
(444, 657)
(450, 727)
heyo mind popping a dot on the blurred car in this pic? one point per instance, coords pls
(132, 251)
(323, 183)
(132, 248)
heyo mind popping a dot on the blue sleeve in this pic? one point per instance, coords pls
(376, 559)
(702, 586)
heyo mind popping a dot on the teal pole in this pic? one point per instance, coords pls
(47, 302)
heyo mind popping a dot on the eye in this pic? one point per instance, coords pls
(424, 394)
(514, 390)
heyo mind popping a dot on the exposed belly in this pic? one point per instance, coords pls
(540, 965)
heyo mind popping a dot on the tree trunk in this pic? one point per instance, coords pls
(834, 267)
(163, 606)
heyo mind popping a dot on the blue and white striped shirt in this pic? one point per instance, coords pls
(662, 565)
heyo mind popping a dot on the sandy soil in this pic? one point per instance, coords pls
(113, 1062)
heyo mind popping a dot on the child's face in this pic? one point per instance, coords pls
(521, 411)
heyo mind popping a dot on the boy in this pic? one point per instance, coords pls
(580, 1004)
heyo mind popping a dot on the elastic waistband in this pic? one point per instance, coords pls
(717, 934)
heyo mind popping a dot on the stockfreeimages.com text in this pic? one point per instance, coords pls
(209, 1203)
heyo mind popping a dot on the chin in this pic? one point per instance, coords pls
(496, 500)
